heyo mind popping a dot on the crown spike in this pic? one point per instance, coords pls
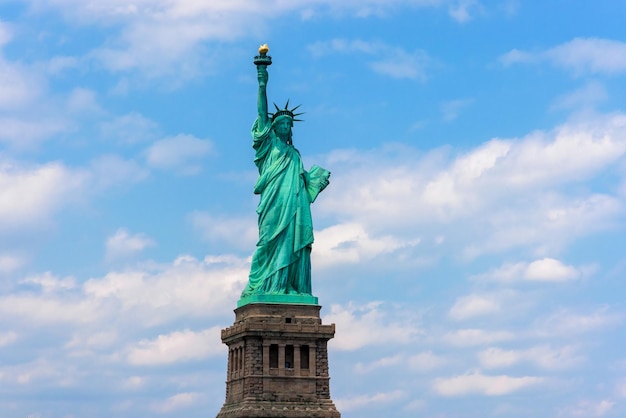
(285, 112)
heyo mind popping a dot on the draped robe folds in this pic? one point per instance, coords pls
(282, 261)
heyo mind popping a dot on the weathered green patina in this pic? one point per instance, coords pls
(281, 265)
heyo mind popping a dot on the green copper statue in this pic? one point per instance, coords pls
(281, 264)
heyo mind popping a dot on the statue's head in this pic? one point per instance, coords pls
(282, 127)
(282, 121)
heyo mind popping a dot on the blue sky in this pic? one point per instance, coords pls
(470, 247)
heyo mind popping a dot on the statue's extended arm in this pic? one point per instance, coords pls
(263, 76)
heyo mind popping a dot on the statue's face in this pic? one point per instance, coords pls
(282, 127)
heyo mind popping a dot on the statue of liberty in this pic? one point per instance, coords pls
(281, 264)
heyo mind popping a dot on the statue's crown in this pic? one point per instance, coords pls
(286, 112)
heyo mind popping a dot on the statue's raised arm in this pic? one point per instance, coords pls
(262, 61)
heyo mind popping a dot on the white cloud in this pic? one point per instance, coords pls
(168, 39)
(19, 85)
(241, 233)
(403, 64)
(450, 110)
(156, 294)
(83, 343)
(131, 128)
(585, 97)
(182, 153)
(543, 356)
(38, 370)
(549, 269)
(564, 322)
(420, 362)
(541, 270)
(111, 170)
(588, 409)
(25, 132)
(481, 384)
(620, 388)
(510, 7)
(474, 305)
(464, 10)
(390, 61)
(7, 338)
(350, 404)
(10, 263)
(581, 56)
(6, 33)
(178, 346)
(426, 361)
(134, 382)
(83, 101)
(29, 195)
(50, 283)
(123, 244)
(474, 336)
(368, 325)
(350, 243)
(187, 287)
(411, 193)
(383, 362)
(178, 401)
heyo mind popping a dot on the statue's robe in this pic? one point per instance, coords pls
(282, 261)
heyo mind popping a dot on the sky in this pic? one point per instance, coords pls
(469, 249)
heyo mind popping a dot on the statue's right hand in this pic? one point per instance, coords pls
(262, 75)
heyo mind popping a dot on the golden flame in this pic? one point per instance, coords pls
(263, 49)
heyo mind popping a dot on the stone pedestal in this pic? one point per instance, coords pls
(278, 363)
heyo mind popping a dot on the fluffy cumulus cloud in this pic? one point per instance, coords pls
(542, 356)
(475, 305)
(168, 39)
(10, 262)
(183, 153)
(19, 85)
(177, 402)
(476, 336)
(586, 408)
(361, 401)
(581, 56)
(588, 96)
(419, 362)
(7, 338)
(31, 194)
(124, 244)
(160, 294)
(542, 270)
(367, 325)
(176, 347)
(387, 60)
(121, 329)
(465, 10)
(485, 184)
(240, 233)
(350, 243)
(477, 383)
(130, 128)
(566, 322)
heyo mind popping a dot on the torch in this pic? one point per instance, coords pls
(263, 60)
